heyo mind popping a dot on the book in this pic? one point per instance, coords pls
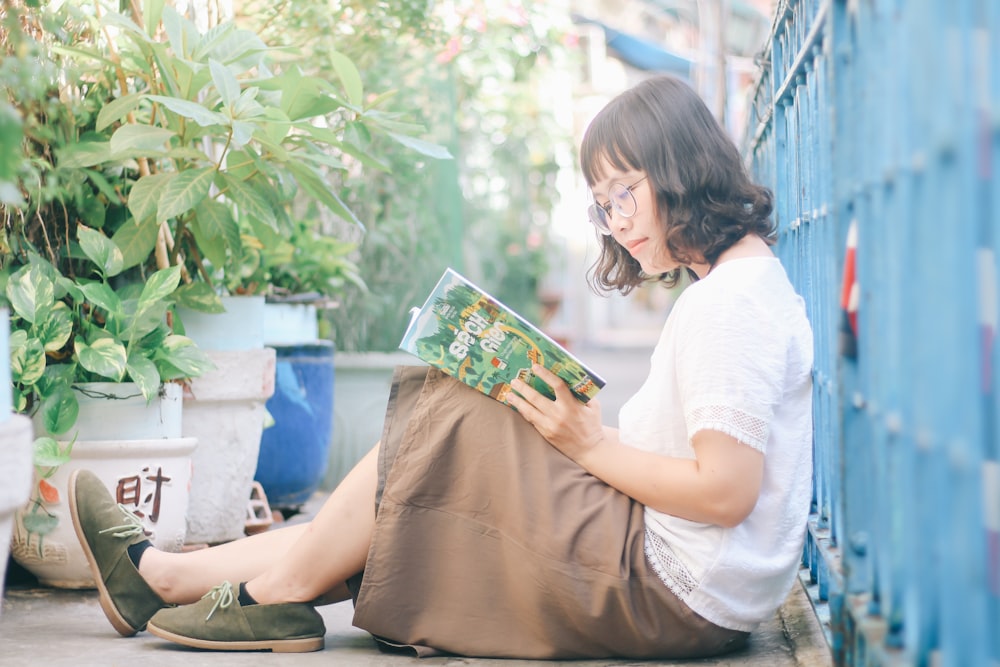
(475, 338)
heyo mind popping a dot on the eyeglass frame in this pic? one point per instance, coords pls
(599, 215)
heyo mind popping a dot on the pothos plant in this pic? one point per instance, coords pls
(65, 332)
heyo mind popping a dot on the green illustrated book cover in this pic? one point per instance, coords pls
(471, 336)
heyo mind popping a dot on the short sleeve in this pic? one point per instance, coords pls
(731, 365)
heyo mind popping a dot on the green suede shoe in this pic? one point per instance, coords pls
(106, 530)
(219, 622)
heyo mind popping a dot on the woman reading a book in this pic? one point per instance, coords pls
(475, 529)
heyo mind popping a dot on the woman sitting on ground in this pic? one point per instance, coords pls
(475, 529)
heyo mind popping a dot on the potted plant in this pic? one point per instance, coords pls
(80, 347)
(185, 148)
(88, 305)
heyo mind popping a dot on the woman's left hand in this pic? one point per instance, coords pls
(571, 426)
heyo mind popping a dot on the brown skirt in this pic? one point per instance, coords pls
(489, 542)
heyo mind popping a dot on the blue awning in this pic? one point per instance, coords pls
(640, 53)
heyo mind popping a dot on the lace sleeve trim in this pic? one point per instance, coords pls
(746, 428)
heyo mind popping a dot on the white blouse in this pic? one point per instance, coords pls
(735, 356)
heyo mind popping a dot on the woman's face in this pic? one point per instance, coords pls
(641, 234)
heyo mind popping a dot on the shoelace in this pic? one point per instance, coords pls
(131, 528)
(223, 596)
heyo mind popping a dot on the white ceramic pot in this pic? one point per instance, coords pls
(290, 324)
(118, 411)
(150, 477)
(360, 394)
(241, 327)
(15, 479)
(225, 410)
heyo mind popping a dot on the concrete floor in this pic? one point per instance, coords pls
(56, 627)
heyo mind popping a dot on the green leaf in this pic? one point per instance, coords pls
(247, 107)
(56, 329)
(303, 96)
(211, 39)
(48, 454)
(184, 192)
(233, 47)
(225, 82)
(136, 241)
(179, 358)
(102, 295)
(215, 230)
(102, 184)
(116, 109)
(55, 375)
(181, 33)
(278, 125)
(191, 110)
(133, 140)
(152, 12)
(381, 99)
(427, 148)
(159, 286)
(215, 220)
(200, 297)
(248, 200)
(323, 160)
(388, 122)
(268, 236)
(106, 357)
(213, 249)
(145, 195)
(91, 210)
(27, 362)
(83, 154)
(242, 133)
(357, 133)
(143, 372)
(314, 185)
(30, 292)
(349, 76)
(18, 337)
(59, 412)
(101, 250)
(82, 54)
(326, 136)
(189, 153)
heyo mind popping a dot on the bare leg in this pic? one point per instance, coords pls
(292, 564)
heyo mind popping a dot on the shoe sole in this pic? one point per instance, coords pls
(119, 623)
(304, 645)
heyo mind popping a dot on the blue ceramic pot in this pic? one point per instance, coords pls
(295, 450)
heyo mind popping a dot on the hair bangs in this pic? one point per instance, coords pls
(605, 144)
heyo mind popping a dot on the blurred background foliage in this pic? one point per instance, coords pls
(471, 73)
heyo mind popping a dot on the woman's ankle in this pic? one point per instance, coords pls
(154, 568)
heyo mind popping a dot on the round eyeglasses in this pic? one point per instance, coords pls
(621, 199)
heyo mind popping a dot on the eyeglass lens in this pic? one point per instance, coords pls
(621, 200)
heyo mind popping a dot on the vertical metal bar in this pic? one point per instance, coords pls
(990, 308)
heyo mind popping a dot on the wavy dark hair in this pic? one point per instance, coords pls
(704, 197)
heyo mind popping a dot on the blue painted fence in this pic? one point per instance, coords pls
(886, 113)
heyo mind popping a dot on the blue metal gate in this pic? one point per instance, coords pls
(886, 114)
